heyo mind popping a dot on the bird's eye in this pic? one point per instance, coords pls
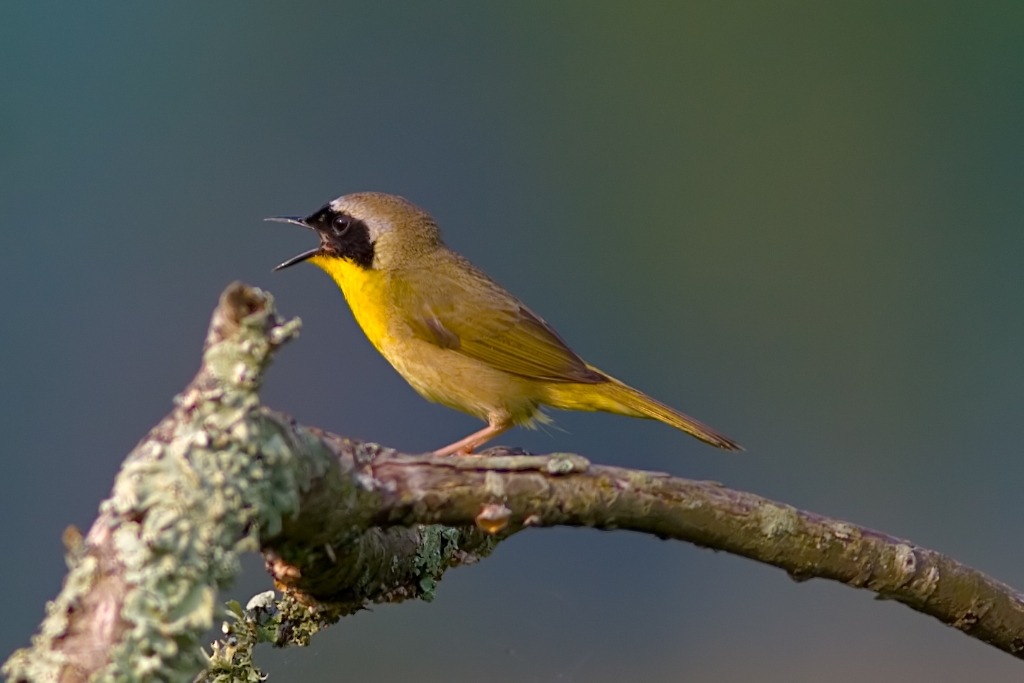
(341, 224)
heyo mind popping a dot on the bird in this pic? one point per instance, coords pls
(457, 336)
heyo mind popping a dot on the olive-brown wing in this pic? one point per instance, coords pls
(469, 313)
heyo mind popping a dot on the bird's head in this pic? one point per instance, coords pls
(370, 229)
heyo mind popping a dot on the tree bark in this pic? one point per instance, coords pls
(344, 524)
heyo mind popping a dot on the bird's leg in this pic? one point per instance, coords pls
(466, 446)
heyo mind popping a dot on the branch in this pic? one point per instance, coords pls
(504, 493)
(344, 524)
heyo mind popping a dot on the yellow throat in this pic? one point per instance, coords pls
(364, 291)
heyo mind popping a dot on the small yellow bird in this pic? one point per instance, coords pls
(452, 332)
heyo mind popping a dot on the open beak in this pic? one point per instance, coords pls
(290, 219)
(304, 255)
(298, 259)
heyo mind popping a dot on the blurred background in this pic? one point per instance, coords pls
(799, 222)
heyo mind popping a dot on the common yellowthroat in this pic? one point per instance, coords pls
(452, 332)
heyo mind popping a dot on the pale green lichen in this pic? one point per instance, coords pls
(777, 520)
(287, 621)
(843, 531)
(566, 463)
(187, 501)
(230, 659)
(281, 621)
(199, 508)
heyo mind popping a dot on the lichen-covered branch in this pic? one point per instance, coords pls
(142, 585)
(344, 524)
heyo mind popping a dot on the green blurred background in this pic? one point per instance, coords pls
(800, 222)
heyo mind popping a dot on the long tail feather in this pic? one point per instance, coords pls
(656, 410)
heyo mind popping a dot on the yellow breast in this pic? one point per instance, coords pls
(438, 374)
(364, 289)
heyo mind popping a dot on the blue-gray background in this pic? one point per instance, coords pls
(800, 222)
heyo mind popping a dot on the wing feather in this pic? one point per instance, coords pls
(471, 314)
